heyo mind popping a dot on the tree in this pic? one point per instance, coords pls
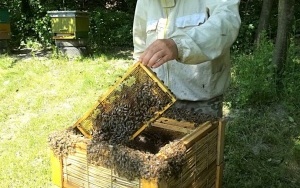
(264, 19)
(285, 18)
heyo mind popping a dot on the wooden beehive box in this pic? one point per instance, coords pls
(5, 30)
(69, 24)
(201, 165)
(131, 138)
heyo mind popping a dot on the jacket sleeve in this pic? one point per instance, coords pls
(139, 29)
(212, 38)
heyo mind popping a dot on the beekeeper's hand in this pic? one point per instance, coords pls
(159, 52)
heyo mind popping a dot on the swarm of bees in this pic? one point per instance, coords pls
(62, 143)
(131, 163)
(155, 153)
(188, 115)
(99, 154)
(134, 103)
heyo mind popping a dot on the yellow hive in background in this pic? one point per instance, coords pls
(5, 32)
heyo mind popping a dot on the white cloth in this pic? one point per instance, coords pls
(203, 31)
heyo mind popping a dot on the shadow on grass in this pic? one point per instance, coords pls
(113, 52)
(109, 53)
(260, 148)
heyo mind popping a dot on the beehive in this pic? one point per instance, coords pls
(69, 24)
(157, 151)
(5, 30)
(201, 166)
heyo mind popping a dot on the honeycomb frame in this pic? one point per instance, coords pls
(136, 75)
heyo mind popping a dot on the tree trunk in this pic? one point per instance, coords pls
(285, 17)
(263, 19)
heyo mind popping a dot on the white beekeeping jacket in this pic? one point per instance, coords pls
(203, 30)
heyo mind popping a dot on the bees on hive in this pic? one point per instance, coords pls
(188, 115)
(129, 109)
(63, 143)
(99, 154)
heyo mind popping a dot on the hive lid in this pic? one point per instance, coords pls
(136, 100)
(67, 13)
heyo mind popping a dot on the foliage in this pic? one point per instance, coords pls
(29, 21)
(110, 28)
(291, 75)
(253, 79)
(249, 12)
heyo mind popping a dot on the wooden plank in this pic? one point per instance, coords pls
(100, 181)
(186, 180)
(84, 132)
(73, 182)
(100, 171)
(77, 157)
(71, 168)
(75, 172)
(84, 117)
(219, 175)
(210, 138)
(68, 184)
(221, 140)
(122, 182)
(206, 178)
(57, 169)
(184, 124)
(199, 133)
(171, 127)
(149, 183)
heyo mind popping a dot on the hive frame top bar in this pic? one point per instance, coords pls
(149, 72)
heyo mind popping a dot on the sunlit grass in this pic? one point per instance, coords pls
(39, 96)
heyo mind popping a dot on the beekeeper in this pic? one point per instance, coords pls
(187, 43)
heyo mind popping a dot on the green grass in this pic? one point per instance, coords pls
(259, 149)
(42, 95)
(39, 96)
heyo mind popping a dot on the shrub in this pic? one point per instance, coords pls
(291, 75)
(253, 78)
(110, 28)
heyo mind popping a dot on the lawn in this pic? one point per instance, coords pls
(39, 95)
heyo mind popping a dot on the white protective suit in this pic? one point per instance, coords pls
(203, 30)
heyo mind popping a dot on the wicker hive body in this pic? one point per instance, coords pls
(203, 162)
(199, 163)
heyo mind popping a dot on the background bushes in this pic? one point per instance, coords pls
(110, 29)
